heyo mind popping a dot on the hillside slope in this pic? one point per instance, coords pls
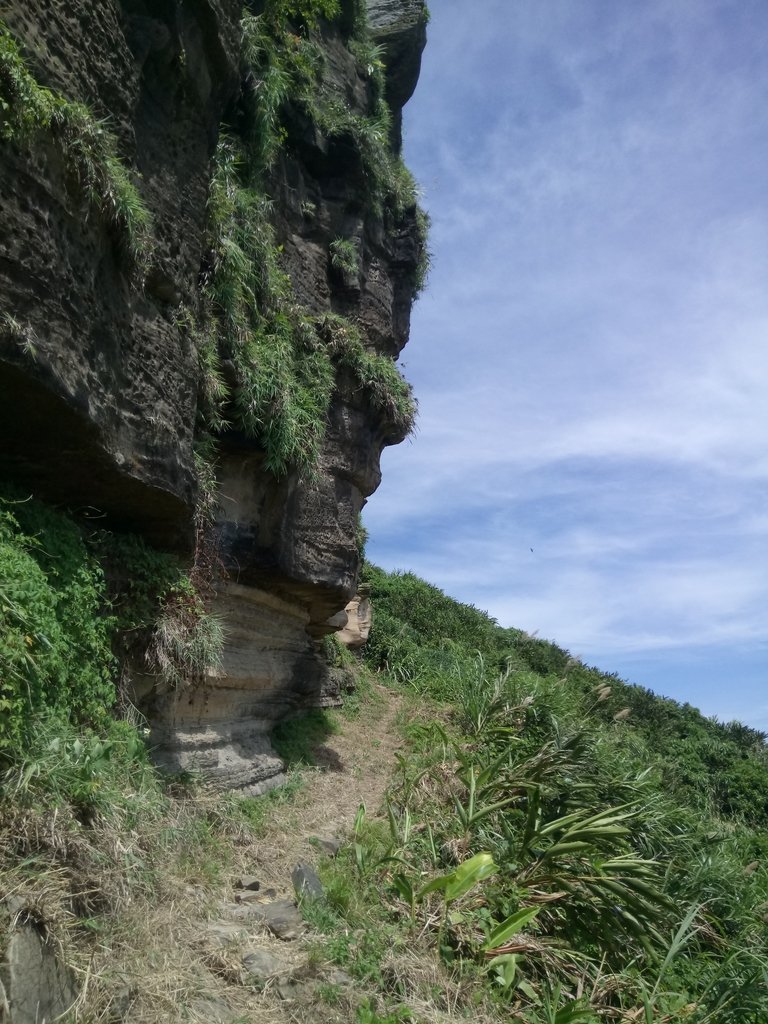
(578, 847)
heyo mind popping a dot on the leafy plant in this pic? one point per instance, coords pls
(55, 648)
(344, 256)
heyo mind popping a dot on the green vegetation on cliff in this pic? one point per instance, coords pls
(74, 605)
(55, 632)
(288, 361)
(30, 113)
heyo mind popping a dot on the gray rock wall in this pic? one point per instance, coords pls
(100, 383)
(100, 408)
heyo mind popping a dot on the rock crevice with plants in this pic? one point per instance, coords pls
(209, 251)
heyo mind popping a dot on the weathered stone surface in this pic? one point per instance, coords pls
(329, 846)
(226, 933)
(296, 990)
(262, 965)
(38, 988)
(100, 411)
(5, 1010)
(248, 896)
(281, 917)
(216, 1011)
(306, 882)
(355, 632)
(222, 728)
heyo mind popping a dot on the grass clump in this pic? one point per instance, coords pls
(29, 112)
(376, 376)
(344, 256)
(187, 640)
(284, 380)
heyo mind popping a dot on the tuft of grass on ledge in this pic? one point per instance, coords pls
(387, 391)
(28, 112)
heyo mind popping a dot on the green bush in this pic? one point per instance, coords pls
(55, 635)
(68, 607)
(427, 639)
(629, 847)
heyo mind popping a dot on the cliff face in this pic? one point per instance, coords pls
(114, 315)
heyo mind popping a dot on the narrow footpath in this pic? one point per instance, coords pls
(250, 959)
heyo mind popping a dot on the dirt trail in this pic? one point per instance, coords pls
(197, 955)
(354, 767)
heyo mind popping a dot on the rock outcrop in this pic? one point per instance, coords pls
(355, 631)
(35, 986)
(101, 375)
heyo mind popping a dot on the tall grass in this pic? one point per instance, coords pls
(612, 898)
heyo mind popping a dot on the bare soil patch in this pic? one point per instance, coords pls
(354, 767)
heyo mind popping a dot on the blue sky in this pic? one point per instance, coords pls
(590, 356)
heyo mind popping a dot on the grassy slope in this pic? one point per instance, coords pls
(627, 832)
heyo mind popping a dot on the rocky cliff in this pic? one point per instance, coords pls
(209, 249)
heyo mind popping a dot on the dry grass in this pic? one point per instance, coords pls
(433, 995)
(129, 903)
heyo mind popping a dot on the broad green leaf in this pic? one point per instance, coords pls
(504, 969)
(528, 990)
(468, 874)
(573, 1012)
(359, 818)
(460, 881)
(404, 887)
(513, 924)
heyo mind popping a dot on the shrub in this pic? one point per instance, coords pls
(55, 637)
